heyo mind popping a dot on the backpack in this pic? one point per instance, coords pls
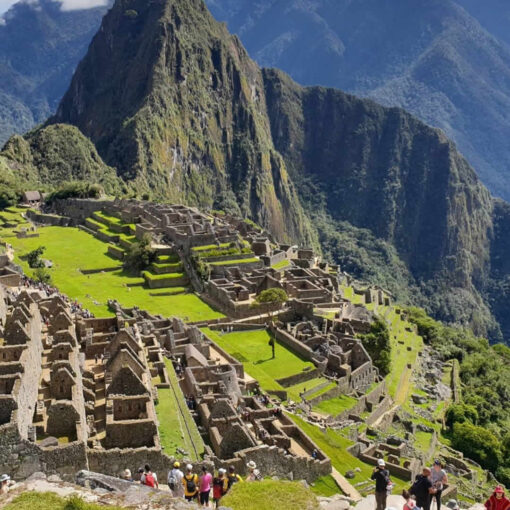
(191, 484)
(232, 479)
(172, 481)
(217, 488)
(149, 480)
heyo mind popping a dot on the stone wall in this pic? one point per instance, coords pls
(48, 219)
(382, 408)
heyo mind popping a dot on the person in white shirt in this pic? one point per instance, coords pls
(174, 481)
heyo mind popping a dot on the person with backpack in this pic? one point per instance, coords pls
(220, 486)
(253, 473)
(381, 476)
(233, 477)
(149, 478)
(190, 484)
(174, 480)
(206, 480)
(423, 489)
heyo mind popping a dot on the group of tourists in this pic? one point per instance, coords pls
(427, 488)
(196, 487)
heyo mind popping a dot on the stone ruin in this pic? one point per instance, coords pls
(81, 393)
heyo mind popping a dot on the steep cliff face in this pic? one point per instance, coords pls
(175, 104)
(383, 170)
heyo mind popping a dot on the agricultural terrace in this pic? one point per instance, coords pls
(74, 252)
(252, 349)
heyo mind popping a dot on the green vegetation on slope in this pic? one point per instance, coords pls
(270, 494)
(72, 250)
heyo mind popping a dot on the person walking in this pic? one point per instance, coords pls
(220, 486)
(149, 478)
(174, 481)
(190, 484)
(381, 476)
(206, 480)
(498, 500)
(423, 488)
(439, 481)
(233, 477)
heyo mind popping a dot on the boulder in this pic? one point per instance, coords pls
(98, 480)
(48, 441)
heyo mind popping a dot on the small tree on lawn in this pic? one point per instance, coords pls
(272, 298)
(140, 255)
(34, 257)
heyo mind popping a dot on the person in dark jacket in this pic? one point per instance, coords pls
(423, 489)
(382, 478)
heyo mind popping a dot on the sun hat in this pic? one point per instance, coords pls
(177, 464)
(499, 489)
(221, 471)
(251, 465)
(189, 467)
(381, 463)
(4, 478)
(127, 473)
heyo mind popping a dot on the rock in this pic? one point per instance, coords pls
(48, 441)
(357, 470)
(425, 428)
(110, 483)
(38, 475)
(54, 479)
(394, 440)
(419, 399)
(334, 503)
(350, 475)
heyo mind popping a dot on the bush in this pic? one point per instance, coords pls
(34, 257)
(140, 255)
(460, 413)
(478, 444)
(42, 275)
(76, 189)
(378, 345)
(8, 197)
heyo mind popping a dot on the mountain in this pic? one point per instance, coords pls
(446, 61)
(173, 102)
(40, 46)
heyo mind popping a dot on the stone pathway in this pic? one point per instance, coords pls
(346, 487)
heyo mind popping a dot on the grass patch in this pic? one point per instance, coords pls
(234, 262)
(175, 420)
(164, 276)
(210, 247)
(325, 486)
(251, 347)
(281, 265)
(335, 406)
(50, 501)
(71, 249)
(270, 494)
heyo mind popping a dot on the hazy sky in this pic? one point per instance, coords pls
(66, 4)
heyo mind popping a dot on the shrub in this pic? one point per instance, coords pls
(42, 275)
(460, 413)
(34, 257)
(140, 255)
(77, 189)
(378, 345)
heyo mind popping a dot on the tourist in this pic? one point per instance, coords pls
(439, 480)
(205, 487)
(190, 484)
(233, 477)
(423, 488)
(410, 504)
(382, 479)
(220, 487)
(498, 501)
(174, 480)
(149, 478)
(253, 473)
(5, 484)
(126, 475)
(315, 454)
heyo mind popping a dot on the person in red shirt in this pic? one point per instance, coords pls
(498, 501)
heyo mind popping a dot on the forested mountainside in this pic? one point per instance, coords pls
(174, 103)
(448, 65)
(40, 46)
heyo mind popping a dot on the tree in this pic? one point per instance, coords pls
(34, 257)
(460, 413)
(377, 343)
(271, 299)
(140, 255)
(478, 444)
(41, 274)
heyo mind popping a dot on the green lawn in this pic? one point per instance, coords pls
(335, 445)
(232, 262)
(251, 348)
(281, 265)
(173, 431)
(71, 249)
(336, 405)
(270, 494)
(50, 501)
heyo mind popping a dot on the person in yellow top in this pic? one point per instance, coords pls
(190, 483)
(233, 477)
